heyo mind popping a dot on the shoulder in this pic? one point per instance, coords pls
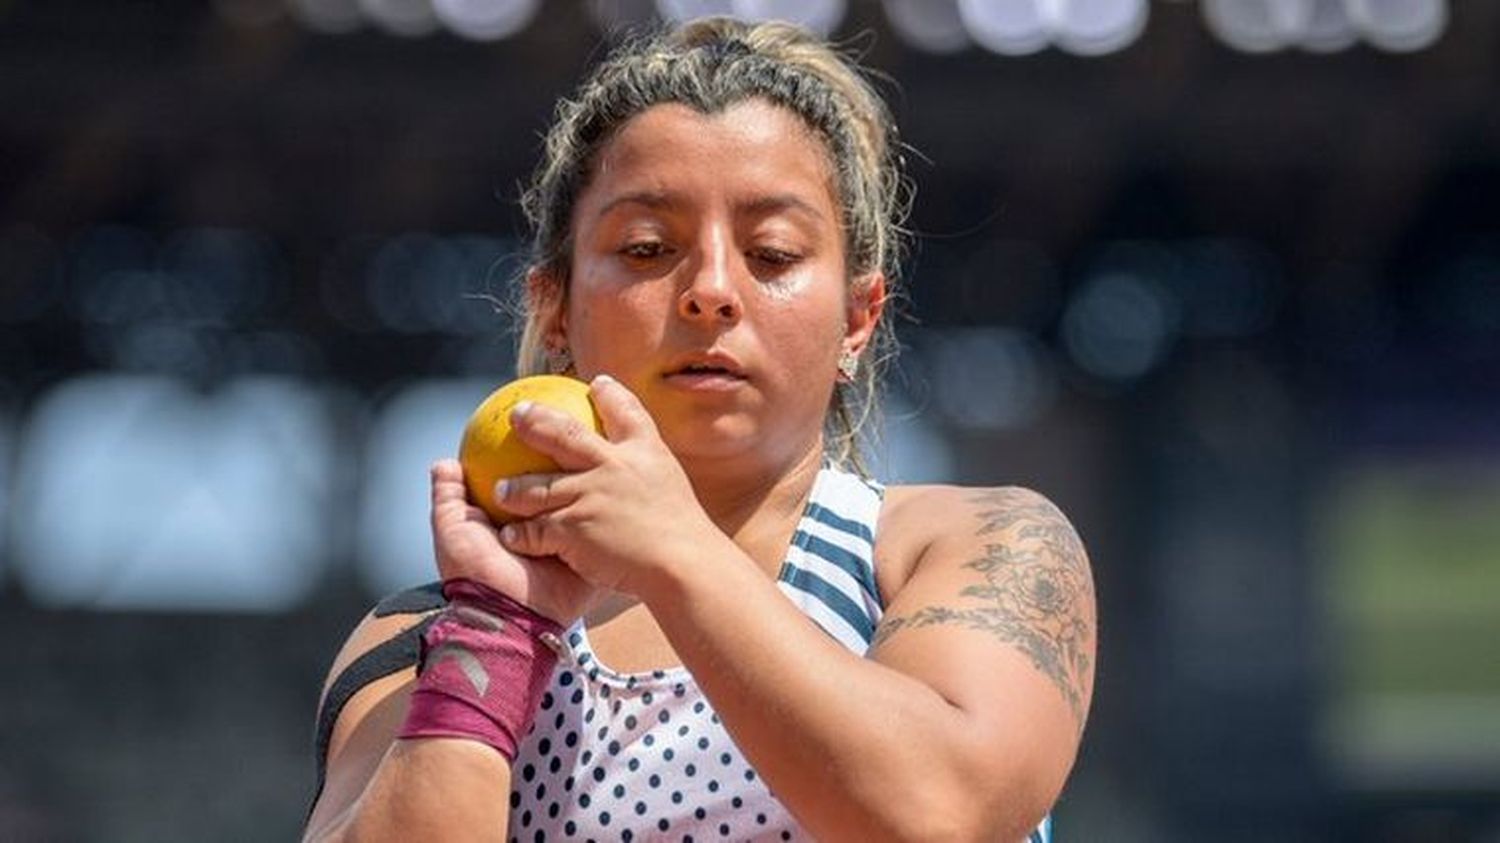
(923, 526)
(393, 618)
(922, 502)
(375, 663)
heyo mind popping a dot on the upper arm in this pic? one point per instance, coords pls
(998, 617)
(363, 705)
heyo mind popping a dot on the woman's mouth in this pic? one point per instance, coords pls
(710, 375)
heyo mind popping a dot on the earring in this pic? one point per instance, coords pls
(848, 366)
(559, 360)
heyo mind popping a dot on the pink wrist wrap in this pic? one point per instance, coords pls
(486, 661)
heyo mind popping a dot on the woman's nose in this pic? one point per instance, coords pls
(711, 291)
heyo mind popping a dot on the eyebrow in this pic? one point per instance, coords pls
(654, 199)
(781, 202)
(760, 206)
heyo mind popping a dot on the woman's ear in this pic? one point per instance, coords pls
(546, 298)
(866, 303)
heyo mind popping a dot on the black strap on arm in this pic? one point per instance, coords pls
(396, 653)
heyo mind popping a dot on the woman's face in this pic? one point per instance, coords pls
(708, 275)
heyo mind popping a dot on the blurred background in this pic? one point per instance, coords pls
(1222, 277)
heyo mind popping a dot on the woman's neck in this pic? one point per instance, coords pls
(758, 509)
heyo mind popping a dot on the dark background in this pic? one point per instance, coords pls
(1237, 312)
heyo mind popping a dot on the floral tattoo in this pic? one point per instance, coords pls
(1036, 593)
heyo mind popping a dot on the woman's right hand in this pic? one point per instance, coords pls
(468, 545)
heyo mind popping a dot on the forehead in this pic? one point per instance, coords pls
(751, 147)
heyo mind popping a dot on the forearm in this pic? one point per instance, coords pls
(429, 789)
(856, 750)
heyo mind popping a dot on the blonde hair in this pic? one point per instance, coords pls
(711, 64)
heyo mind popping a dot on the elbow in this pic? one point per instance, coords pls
(934, 809)
(963, 786)
(973, 802)
(964, 814)
(938, 807)
(937, 822)
(925, 807)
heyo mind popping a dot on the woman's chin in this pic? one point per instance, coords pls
(719, 440)
(743, 446)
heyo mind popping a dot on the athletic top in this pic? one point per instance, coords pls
(643, 756)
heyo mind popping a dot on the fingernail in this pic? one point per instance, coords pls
(520, 410)
(502, 487)
(604, 379)
(507, 534)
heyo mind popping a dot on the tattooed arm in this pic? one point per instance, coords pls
(1025, 584)
(994, 609)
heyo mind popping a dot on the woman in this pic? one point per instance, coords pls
(705, 626)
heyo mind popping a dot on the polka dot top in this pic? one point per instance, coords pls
(643, 756)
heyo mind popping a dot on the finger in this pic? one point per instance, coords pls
(526, 495)
(450, 503)
(445, 474)
(574, 445)
(531, 537)
(623, 414)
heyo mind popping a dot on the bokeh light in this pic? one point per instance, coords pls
(912, 447)
(1257, 26)
(988, 378)
(485, 20)
(1400, 26)
(219, 275)
(1328, 28)
(110, 275)
(118, 274)
(419, 282)
(820, 16)
(1007, 27)
(166, 346)
(934, 26)
(1119, 326)
(420, 423)
(1097, 27)
(138, 493)
(686, 10)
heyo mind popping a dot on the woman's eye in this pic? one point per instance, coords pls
(645, 250)
(775, 257)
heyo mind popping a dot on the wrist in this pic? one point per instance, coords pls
(485, 663)
(693, 565)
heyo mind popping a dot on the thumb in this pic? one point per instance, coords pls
(622, 414)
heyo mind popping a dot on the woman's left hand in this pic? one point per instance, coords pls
(621, 511)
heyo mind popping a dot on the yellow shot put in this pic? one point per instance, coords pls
(490, 450)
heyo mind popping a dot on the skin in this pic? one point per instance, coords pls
(715, 238)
